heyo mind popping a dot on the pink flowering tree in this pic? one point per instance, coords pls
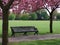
(53, 5)
(5, 5)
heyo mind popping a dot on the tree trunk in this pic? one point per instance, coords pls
(51, 23)
(5, 27)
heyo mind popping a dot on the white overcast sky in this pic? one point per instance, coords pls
(58, 10)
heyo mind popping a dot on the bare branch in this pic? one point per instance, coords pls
(57, 4)
(58, 7)
(1, 4)
(9, 3)
(47, 10)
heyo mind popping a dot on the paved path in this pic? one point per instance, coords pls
(33, 37)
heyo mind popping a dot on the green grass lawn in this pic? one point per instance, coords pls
(42, 26)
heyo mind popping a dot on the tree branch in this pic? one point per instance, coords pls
(1, 4)
(47, 10)
(9, 4)
(57, 4)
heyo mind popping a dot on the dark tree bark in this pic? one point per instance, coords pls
(51, 19)
(51, 23)
(5, 27)
(5, 10)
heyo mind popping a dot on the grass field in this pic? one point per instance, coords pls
(42, 26)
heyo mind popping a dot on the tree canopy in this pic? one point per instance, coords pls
(31, 5)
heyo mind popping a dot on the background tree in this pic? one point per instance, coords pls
(53, 5)
(55, 13)
(58, 16)
(33, 16)
(42, 14)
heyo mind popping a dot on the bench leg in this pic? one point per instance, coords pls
(13, 35)
(25, 33)
(36, 33)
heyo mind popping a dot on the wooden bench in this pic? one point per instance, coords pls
(24, 29)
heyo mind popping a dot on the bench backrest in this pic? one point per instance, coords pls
(24, 29)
